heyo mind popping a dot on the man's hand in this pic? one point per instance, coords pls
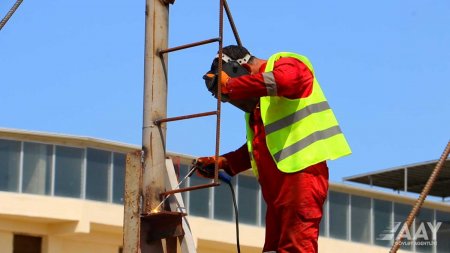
(224, 78)
(205, 165)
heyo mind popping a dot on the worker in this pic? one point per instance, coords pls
(291, 132)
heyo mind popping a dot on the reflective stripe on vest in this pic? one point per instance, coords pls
(299, 132)
(271, 86)
(250, 137)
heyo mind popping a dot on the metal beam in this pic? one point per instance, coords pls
(155, 107)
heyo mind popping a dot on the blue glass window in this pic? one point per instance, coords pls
(383, 234)
(9, 165)
(119, 177)
(247, 199)
(97, 174)
(199, 200)
(360, 219)
(68, 167)
(37, 166)
(443, 233)
(338, 214)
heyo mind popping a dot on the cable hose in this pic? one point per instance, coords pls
(236, 215)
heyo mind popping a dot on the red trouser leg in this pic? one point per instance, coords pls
(292, 220)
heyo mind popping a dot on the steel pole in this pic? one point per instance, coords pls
(155, 103)
(155, 107)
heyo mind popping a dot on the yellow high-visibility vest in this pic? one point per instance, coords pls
(299, 132)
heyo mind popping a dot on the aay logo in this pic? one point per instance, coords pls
(421, 233)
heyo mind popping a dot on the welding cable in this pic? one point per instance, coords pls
(227, 179)
(224, 177)
(236, 212)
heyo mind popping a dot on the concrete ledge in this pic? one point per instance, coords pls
(59, 216)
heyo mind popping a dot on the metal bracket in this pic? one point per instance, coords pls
(162, 225)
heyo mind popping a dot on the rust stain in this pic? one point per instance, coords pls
(148, 204)
(131, 202)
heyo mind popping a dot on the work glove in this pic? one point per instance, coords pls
(224, 78)
(205, 165)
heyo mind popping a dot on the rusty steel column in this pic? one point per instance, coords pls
(132, 196)
(155, 107)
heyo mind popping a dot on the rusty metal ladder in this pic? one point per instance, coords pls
(223, 6)
(145, 227)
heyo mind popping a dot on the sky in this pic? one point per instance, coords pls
(76, 67)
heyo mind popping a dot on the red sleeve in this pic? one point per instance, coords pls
(292, 77)
(238, 160)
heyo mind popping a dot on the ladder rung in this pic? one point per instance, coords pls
(190, 116)
(168, 50)
(195, 187)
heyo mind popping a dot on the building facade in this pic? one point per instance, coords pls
(61, 193)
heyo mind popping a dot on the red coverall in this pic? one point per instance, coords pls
(294, 200)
